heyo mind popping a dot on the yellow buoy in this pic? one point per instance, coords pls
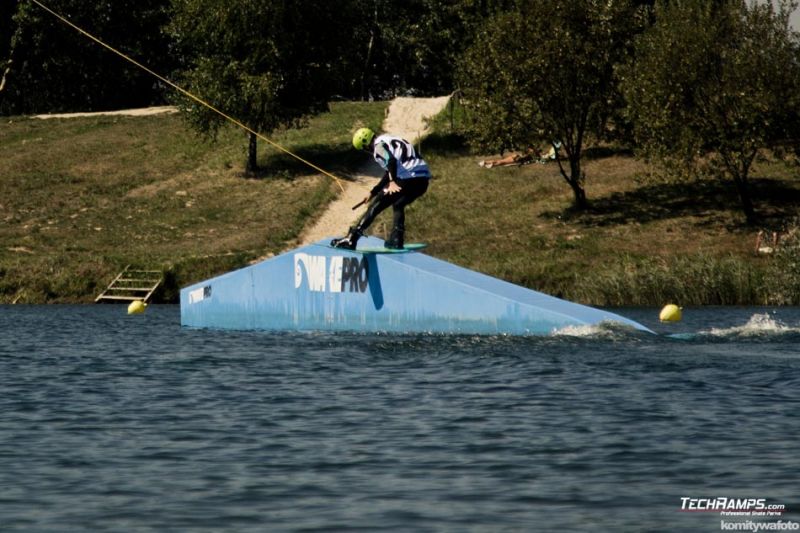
(136, 307)
(670, 313)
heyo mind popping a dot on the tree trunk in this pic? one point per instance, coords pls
(744, 196)
(252, 154)
(5, 75)
(739, 168)
(574, 179)
(576, 182)
(580, 195)
(11, 49)
(373, 30)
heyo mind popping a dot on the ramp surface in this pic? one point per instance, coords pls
(316, 287)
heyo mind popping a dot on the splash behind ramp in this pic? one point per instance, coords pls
(316, 287)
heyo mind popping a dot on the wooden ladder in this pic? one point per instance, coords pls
(132, 284)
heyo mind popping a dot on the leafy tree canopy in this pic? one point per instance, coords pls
(413, 46)
(50, 67)
(544, 73)
(713, 83)
(269, 64)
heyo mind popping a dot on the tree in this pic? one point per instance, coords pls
(6, 29)
(545, 73)
(269, 64)
(414, 45)
(49, 67)
(713, 83)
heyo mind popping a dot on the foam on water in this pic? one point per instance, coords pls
(759, 325)
(603, 330)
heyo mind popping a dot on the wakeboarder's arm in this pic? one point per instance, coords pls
(388, 183)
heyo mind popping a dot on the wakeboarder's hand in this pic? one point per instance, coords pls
(392, 188)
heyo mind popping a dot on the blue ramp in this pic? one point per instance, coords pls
(316, 287)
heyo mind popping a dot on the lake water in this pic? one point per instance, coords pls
(110, 422)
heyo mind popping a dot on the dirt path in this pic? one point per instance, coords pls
(127, 112)
(406, 119)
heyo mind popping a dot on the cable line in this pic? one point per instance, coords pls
(188, 94)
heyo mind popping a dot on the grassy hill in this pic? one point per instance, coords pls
(82, 198)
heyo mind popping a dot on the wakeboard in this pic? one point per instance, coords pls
(410, 247)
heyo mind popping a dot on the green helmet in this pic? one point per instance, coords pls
(362, 138)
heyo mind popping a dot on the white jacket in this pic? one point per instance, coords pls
(409, 164)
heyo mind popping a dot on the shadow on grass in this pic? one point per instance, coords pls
(602, 152)
(456, 144)
(340, 160)
(713, 202)
(445, 144)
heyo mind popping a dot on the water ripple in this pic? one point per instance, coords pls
(135, 424)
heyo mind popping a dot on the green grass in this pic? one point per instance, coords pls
(641, 242)
(637, 245)
(82, 198)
